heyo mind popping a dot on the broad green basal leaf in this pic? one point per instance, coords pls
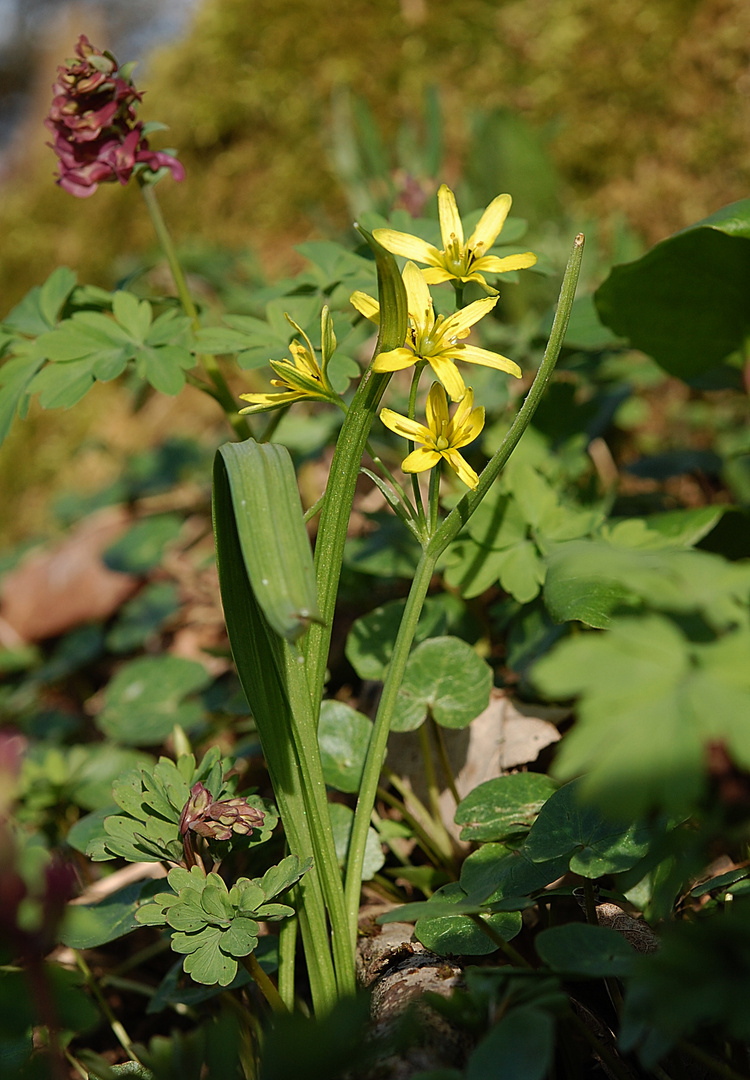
(685, 301)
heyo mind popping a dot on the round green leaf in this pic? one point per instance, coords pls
(145, 699)
(520, 1045)
(459, 935)
(240, 938)
(341, 822)
(344, 736)
(497, 871)
(593, 845)
(446, 676)
(371, 639)
(208, 964)
(504, 806)
(580, 949)
(685, 301)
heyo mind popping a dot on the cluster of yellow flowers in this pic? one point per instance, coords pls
(438, 340)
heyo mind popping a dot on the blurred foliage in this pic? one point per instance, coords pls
(646, 105)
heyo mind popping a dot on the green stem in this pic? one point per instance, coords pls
(379, 739)
(117, 1028)
(422, 835)
(433, 792)
(590, 902)
(347, 458)
(419, 815)
(433, 501)
(274, 420)
(209, 363)
(402, 496)
(504, 946)
(610, 1059)
(445, 764)
(264, 984)
(315, 508)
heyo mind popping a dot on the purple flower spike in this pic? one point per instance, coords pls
(93, 115)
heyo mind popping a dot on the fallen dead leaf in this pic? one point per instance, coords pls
(502, 738)
(55, 589)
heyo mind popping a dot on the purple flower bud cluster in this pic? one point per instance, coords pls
(97, 137)
(218, 820)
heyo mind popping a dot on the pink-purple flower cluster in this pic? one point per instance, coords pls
(218, 820)
(98, 139)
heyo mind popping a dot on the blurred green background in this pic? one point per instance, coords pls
(630, 111)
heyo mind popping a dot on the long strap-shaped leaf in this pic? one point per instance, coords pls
(273, 677)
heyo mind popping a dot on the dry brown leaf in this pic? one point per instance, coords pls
(503, 737)
(54, 589)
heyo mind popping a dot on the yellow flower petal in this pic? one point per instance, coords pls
(419, 300)
(451, 228)
(411, 246)
(436, 409)
(395, 360)
(261, 402)
(463, 410)
(467, 431)
(457, 324)
(462, 469)
(420, 460)
(403, 426)
(365, 305)
(472, 354)
(490, 224)
(494, 264)
(449, 376)
(437, 275)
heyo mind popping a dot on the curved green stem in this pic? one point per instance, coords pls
(379, 738)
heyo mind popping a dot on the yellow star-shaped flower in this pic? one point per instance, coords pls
(460, 261)
(442, 437)
(303, 377)
(436, 340)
